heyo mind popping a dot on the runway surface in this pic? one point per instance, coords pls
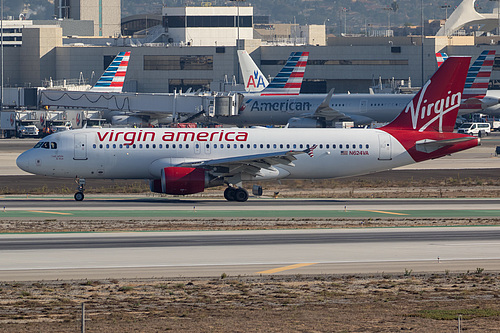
(197, 254)
(120, 206)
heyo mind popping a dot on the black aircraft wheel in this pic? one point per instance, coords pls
(241, 195)
(79, 196)
(229, 194)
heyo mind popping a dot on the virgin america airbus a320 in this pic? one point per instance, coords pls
(186, 161)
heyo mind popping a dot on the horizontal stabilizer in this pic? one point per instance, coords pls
(429, 146)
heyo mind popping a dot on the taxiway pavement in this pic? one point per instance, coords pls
(198, 254)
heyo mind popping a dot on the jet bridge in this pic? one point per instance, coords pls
(157, 105)
(227, 105)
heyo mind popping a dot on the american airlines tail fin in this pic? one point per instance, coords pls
(435, 106)
(113, 77)
(441, 57)
(478, 77)
(289, 79)
(253, 78)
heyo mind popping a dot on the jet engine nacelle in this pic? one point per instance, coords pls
(128, 120)
(297, 122)
(180, 181)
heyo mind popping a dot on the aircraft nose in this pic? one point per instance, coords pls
(22, 162)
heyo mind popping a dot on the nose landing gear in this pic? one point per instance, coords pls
(79, 195)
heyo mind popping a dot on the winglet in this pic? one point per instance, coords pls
(310, 151)
(113, 77)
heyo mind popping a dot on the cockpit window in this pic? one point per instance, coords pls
(53, 145)
(38, 144)
(45, 145)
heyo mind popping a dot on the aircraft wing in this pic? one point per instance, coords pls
(249, 164)
(429, 146)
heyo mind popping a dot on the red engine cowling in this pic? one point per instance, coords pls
(179, 180)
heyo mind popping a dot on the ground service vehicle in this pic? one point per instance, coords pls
(479, 129)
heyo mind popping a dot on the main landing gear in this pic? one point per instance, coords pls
(235, 194)
(79, 195)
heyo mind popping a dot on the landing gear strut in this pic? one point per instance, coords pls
(79, 195)
(235, 194)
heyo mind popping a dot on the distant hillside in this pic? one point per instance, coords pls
(357, 13)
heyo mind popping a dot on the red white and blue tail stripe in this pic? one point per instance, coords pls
(441, 57)
(289, 79)
(114, 76)
(476, 84)
(478, 77)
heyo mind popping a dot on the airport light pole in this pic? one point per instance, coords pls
(344, 10)
(324, 23)
(238, 18)
(422, 32)
(445, 7)
(1, 40)
(498, 16)
(389, 9)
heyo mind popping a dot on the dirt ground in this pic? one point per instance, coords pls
(284, 303)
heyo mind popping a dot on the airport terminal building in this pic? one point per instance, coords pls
(195, 47)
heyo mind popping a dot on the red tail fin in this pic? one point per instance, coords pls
(435, 106)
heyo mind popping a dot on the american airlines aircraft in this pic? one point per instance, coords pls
(319, 110)
(287, 82)
(253, 78)
(186, 161)
(114, 76)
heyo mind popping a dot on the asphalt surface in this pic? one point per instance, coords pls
(241, 239)
(195, 254)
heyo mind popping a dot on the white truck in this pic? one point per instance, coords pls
(7, 124)
(28, 130)
(495, 125)
(479, 129)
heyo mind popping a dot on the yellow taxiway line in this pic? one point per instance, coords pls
(281, 269)
(383, 212)
(46, 212)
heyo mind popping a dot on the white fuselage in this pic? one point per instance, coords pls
(363, 109)
(277, 110)
(142, 153)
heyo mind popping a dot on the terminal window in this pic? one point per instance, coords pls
(206, 21)
(374, 62)
(185, 84)
(178, 63)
